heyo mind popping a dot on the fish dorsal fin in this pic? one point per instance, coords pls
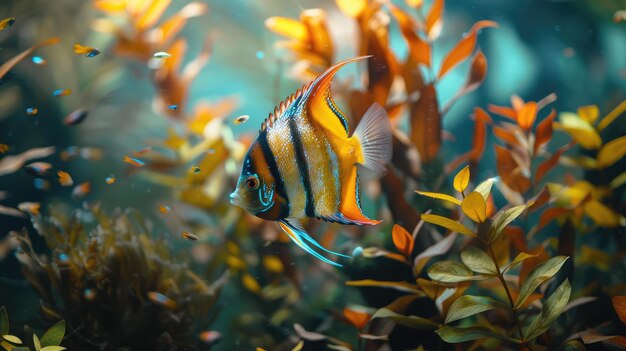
(320, 104)
(279, 110)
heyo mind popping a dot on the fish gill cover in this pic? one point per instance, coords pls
(124, 125)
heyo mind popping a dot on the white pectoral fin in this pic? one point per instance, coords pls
(296, 233)
(374, 134)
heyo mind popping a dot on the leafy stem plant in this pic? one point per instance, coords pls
(49, 341)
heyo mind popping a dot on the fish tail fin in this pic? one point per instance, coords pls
(297, 234)
(374, 138)
(350, 207)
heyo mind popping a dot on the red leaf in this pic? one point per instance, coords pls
(402, 240)
(356, 318)
(463, 48)
(419, 49)
(619, 303)
(480, 134)
(506, 136)
(433, 20)
(526, 115)
(503, 111)
(509, 171)
(543, 133)
(548, 164)
(426, 124)
(550, 214)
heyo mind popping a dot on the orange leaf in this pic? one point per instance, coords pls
(503, 111)
(434, 20)
(505, 135)
(418, 48)
(426, 124)
(548, 164)
(527, 114)
(541, 199)
(152, 14)
(543, 133)
(619, 303)
(510, 172)
(287, 27)
(8, 65)
(480, 133)
(550, 214)
(403, 240)
(463, 49)
(356, 318)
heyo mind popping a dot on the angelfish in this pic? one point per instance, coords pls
(303, 163)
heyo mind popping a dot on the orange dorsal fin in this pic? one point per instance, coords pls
(350, 206)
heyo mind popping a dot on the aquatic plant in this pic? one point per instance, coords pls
(113, 285)
(49, 341)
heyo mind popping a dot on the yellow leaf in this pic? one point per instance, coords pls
(352, 8)
(250, 283)
(415, 3)
(447, 223)
(602, 215)
(273, 264)
(588, 113)
(618, 181)
(591, 256)
(579, 130)
(440, 196)
(611, 152)
(298, 346)
(461, 180)
(604, 122)
(12, 339)
(474, 207)
(287, 27)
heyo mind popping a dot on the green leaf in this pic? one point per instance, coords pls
(447, 223)
(537, 276)
(469, 305)
(484, 188)
(53, 348)
(54, 335)
(572, 345)
(401, 286)
(456, 335)
(12, 339)
(478, 260)
(450, 272)
(4, 321)
(552, 309)
(414, 322)
(503, 219)
(521, 257)
(36, 342)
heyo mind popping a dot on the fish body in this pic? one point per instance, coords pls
(303, 163)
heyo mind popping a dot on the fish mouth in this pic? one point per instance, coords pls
(234, 198)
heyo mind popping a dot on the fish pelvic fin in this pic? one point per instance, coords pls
(350, 206)
(298, 235)
(373, 139)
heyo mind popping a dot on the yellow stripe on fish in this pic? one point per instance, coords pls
(303, 164)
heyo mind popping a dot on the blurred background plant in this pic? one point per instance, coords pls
(542, 231)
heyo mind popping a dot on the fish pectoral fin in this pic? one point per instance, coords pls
(374, 139)
(350, 208)
(296, 233)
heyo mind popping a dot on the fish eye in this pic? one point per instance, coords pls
(252, 183)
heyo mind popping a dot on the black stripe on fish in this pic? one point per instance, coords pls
(337, 112)
(271, 162)
(309, 209)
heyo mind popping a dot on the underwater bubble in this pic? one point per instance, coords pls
(162, 54)
(38, 60)
(189, 236)
(260, 55)
(110, 180)
(210, 337)
(31, 111)
(75, 117)
(38, 169)
(241, 119)
(358, 251)
(172, 107)
(134, 161)
(195, 169)
(7, 23)
(62, 92)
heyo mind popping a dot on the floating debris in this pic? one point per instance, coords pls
(241, 119)
(62, 92)
(195, 169)
(162, 54)
(134, 161)
(87, 153)
(87, 51)
(164, 208)
(189, 236)
(38, 169)
(41, 184)
(145, 150)
(89, 294)
(210, 337)
(65, 179)
(358, 251)
(110, 180)
(162, 300)
(81, 190)
(619, 16)
(260, 55)
(38, 60)
(31, 111)
(7, 23)
(4, 148)
(75, 117)
(172, 107)
(32, 208)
